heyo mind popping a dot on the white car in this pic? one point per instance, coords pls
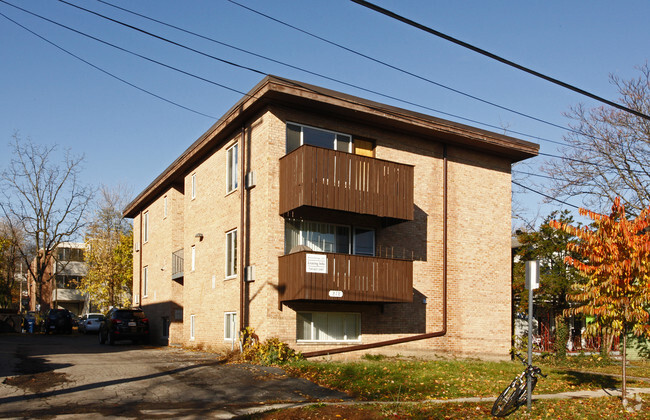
(90, 323)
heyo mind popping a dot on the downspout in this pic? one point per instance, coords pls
(140, 248)
(242, 280)
(443, 331)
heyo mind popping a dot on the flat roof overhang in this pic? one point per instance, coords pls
(276, 91)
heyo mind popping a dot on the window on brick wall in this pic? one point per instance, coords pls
(164, 206)
(192, 327)
(193, 186)
(297, 135)
(328, 237)
(230, 326)
(231, 168)
(328, 326)
(145, 227)
(145, 281)
(231, 253)
(193, 259)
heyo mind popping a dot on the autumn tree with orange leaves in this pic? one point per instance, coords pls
(615, 259)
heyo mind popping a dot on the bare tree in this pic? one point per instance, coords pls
(44, 200)
(610, 153)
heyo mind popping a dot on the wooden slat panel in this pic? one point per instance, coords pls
(318, 177)
(360, 278)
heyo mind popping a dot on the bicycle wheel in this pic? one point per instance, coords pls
(523, 394)
(506, 403)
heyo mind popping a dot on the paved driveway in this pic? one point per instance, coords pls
(45, 375)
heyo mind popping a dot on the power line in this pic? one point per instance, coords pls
(497, 58)
(545, 195)
(105, 71)
(294, 67)
(401, 70)
(128, 51)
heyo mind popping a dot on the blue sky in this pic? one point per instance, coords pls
(128, 137)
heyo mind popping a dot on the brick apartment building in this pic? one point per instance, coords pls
(63, 273)
(331, 222)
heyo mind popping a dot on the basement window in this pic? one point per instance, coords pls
(328, 326)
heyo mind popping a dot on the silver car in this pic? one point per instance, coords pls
(90, 323)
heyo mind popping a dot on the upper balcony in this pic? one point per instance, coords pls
(323, 178)
(308, 275)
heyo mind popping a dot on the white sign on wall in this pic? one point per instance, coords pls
(336, 293)
(316, 263)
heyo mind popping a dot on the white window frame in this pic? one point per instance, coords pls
(164, 207)
(336, 133)
(230, 320)
(145, 227)
(231, 254)
(192, 327)
(232, 166)
(145, 281)
(193, 258)
(193, 186)
(355, 340)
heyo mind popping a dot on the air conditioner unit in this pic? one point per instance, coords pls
(249, 273)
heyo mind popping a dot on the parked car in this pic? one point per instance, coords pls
(58, 321)
(124, 324)
(90, 323)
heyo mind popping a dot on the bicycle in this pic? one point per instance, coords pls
(514, 395)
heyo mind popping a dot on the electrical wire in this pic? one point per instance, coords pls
(432, 31)
(494, 127)
(105, 71)
(399, 69)
(545, 195)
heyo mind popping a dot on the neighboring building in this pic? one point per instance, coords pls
(331, 221)
(65, 270)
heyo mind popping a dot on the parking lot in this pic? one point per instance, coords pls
(51, 375)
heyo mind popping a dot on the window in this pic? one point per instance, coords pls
(230, 326)
(193, 186)
(328, 326)
(231, 253)
(192, 326)
(145, 227)
(297, 135)
(165, 327)
(326, 237)
(193, 257)
(145, 281)
(164, 206)
(70, 254)
(364, 241)
(231, 168)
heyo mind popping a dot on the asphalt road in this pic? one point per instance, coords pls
(72, 376)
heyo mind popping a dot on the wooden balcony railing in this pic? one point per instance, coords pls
(350, 278)
(318, 177)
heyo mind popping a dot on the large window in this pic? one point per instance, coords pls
(231, 253)
(297, 135)
(328, 326)
(326, 237)
(231, 165)
(70, 254)
(230, 326)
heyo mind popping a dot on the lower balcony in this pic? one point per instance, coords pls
(308, 275)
